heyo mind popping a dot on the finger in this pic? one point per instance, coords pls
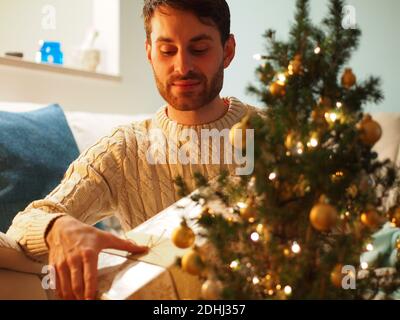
(125, 245)
(90, 274)
(65, 281)
(58, 284)
(76, 270)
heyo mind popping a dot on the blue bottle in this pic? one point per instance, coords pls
(50, 52)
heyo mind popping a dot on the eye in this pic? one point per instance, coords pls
(199, 51)
(167, 51)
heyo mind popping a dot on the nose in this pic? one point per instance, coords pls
(183, 63)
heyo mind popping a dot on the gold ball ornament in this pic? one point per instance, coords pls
(211, 290)
(277, 89)
(183, 236)
(291, 140)
(370, 218)
(348, 78)
(192, 263)
(323, 216)
(238, 133)
(295, 66)
(337, 276)
(370, 131)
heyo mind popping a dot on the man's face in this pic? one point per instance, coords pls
(188, 58)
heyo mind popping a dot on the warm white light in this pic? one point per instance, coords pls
(234, 264)
(295, 247)
(331, 116)
(300, 151)
(313, 142)
(256, 280)
(317, 50)
(272, 176)
(255, 236)
(339, 104)
(288, 290)
(370, 247)
(281, 78)
(364, 265)
(241, 205)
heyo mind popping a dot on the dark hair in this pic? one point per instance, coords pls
(215, 11)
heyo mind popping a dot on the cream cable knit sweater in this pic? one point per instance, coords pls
(113, 177)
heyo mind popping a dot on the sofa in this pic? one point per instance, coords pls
(18, 271)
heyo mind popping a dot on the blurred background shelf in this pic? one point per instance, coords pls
(20, 63)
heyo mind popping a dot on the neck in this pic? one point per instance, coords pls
(206, 114)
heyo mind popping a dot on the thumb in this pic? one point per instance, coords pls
(125, 245)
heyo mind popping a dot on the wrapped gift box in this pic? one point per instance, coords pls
(154, 276)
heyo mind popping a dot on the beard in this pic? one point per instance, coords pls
(186, 101)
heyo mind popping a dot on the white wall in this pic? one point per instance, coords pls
(378, 53)
(136, 93)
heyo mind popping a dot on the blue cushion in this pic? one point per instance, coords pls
(36, 149)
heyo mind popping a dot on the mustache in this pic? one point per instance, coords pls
(190, 76)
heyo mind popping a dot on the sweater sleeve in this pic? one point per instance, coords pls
(88, 191)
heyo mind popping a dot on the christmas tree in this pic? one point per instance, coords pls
(301, 221)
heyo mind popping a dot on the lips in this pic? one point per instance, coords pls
(186, 83)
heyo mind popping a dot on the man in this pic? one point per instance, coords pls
(188, 46)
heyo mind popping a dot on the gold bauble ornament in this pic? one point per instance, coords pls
(291, 140)
(211, 289)
(277, 89)
(295, 66)
(323, 216)
(249, 211)
(238, 133)
(192, 263)
(183, 236)
(370, 131)
(370, 218)
(348, 78)
(337, 276)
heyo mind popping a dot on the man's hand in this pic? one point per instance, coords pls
(74, 248)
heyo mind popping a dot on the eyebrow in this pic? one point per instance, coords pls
(194, 39)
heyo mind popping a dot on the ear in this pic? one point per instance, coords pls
(229, 50)
(148, 50)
